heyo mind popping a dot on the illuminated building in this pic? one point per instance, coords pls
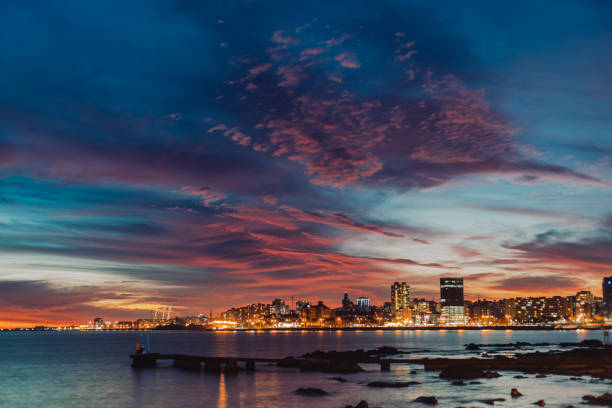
(400, 298)
(279, 308)
(98, 323)
(607, 293)
(451, 300)
(301, 305)
(363, 302)
(319, 313)
(583, 308)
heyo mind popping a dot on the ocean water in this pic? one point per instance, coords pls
(92, 369)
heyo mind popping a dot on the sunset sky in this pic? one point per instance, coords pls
(213, 154)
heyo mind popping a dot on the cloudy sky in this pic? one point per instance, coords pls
(211, 154)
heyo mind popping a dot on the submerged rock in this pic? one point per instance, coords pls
(311, 392)
(458, 382)
(472, 346)
(540, 403)
(429, 400)
(492, 401)
(384, 384)
(602, 400)
(361, 404)
(326, 366)
(515, 393)
(466, 372)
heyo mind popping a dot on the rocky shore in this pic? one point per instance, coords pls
(595, 361)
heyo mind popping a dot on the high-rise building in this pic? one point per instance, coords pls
(584, 306)
(607, 292)
(347, 303)
(451, 300)
(363, 302)
(279, 308)
(400, 297)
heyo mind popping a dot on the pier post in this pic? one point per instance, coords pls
(143, 360)
(385, 365)
(231, 366)
(212, 366)
(250, 365)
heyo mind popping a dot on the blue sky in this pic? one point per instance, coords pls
(207, 155)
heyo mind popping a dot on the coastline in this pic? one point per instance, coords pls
(335, 329)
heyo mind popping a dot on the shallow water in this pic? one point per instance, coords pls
(92, 369)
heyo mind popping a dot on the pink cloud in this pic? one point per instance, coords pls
(347, 60)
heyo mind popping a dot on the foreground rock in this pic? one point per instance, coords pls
(593, 361)
(384, 384)
(311, 392)
(602, 400)
(326, 366)
(515, 393)
(357, 355)
(427, 400)
(362, 404)
(461, 371)
(540, 403)
(492, 401)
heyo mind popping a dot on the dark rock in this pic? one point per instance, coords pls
(540, 376)
(461, 372)
(310, 392)
(427, 400)
(326, 366)
(602, 400)
(475, 382)
(591, 343)
(492, 401)
(352, 355)
(472, 346)
(383, 384)
(384, 350)
(466, 372)
(519, 376)
(362, 404)
(414, 372)
(515, 393)
(339, 379)
(575, 378)
(583, 343)
(458, 382)
(540, 403)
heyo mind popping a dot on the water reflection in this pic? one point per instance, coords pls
(222, 393)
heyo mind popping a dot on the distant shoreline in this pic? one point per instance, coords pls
(341, 329)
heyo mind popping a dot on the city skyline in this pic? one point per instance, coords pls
(400, 307)
(186, 154)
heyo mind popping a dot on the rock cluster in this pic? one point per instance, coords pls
(384, 384)
(429, 400)
(602, 400)
(466, 372)
(311, 392)
(361, 404)
(326, 366)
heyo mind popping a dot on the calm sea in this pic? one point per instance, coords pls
(92, 369)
